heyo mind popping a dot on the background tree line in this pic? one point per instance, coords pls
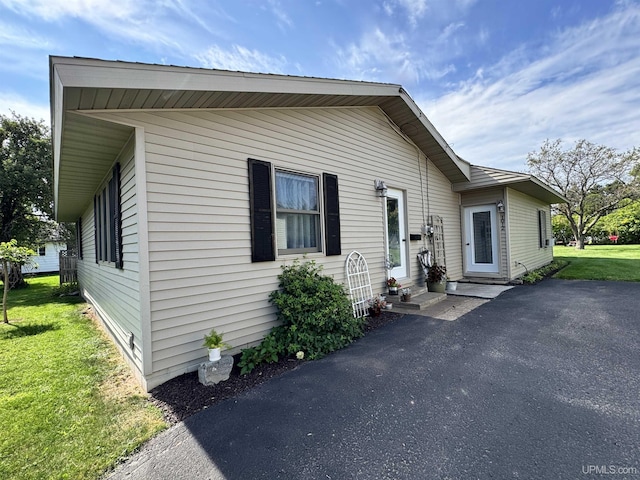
(26, 186)
(602, 188)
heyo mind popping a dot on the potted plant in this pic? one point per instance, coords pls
(376, 304)
(393, 285)
(406, 295)
(214, 343)
(437, 278)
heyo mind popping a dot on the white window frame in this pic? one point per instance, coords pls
(317, 214)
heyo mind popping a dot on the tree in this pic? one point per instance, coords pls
(595, 179)
(26, 179)
(624, 223)
(561, 229)
(11, 257)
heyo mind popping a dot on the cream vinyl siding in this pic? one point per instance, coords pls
(114, 293)
(201, 274)
(490, 196)
(444, 202)
(522, 211)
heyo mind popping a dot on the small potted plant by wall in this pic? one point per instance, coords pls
(437, 278)
(393, 285)
(214, 343)
(406, 295)
(376, 304)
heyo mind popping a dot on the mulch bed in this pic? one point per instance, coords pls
(183, 396)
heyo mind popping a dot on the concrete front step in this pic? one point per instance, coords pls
(419, 300)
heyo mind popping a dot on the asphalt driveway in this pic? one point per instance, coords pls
(542, 382)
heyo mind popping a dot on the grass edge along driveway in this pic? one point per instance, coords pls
(69, 407)
(600, 262)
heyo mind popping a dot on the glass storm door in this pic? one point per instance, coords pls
(396, 244)
(481, 248)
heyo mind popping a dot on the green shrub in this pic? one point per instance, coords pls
(65, 289)
(543, 272)
(267, 352)
(315, 314)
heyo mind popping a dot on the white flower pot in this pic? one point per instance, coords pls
(214, 354)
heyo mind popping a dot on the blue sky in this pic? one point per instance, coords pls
(496, 77)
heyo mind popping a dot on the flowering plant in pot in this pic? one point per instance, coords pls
(214, 343)
(376, 304)
(393, 285)
(406, 295)
(437, 278)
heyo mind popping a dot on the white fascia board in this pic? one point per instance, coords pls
(79, 73)
(56, 132)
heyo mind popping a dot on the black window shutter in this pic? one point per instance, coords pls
(331, 214)
(96, 221)
(117, 218)
(103, 226)
(261, 205)
(79, 237)
(111, 219)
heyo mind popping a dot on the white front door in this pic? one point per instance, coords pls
(481, 242)
(396, 242)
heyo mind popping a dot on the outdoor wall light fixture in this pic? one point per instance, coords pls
(500, 207)
(381, 188)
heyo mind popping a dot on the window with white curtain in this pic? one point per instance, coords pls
(297, 213)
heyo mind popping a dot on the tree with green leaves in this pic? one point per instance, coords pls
(26, 179)
(595, 179)
(624, 223)
(12, 257)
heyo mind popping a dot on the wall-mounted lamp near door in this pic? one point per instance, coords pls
(500, 207)
(381, 188)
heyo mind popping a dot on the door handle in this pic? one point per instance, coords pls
(468, 244)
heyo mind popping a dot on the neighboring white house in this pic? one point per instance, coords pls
(191, 187)
(47, 258)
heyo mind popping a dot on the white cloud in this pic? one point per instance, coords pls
(144, 21)
(52, 10)
(280, 14)
(377, 55)
(12, 102)
(19, 37)
(414, 9)
(241, 59)
(585, 84)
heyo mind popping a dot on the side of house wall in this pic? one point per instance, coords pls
(201, 274)
(114, 293)
(490, 196)
(522, 212)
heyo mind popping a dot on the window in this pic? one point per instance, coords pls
(107, 217)
(542, 229)
(297, 213)
(286, 212)
(42, 251)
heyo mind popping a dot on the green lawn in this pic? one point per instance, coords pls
(68, 405)
(600, 262)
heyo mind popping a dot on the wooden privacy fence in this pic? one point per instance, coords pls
(68, 267)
